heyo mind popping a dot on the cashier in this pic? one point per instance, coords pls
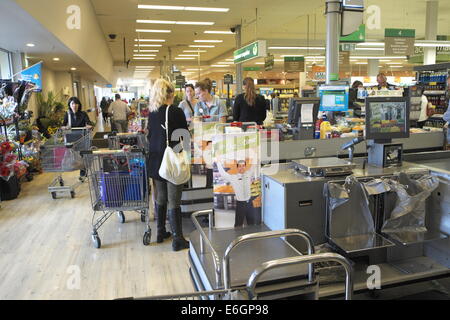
(210, 107)
(382, 82)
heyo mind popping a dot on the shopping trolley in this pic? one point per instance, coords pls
(61, 153)
(117, 141)
(117, 182)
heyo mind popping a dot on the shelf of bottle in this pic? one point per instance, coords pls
(435, 93)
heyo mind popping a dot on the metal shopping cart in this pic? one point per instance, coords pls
(61, 153)
(117, 182)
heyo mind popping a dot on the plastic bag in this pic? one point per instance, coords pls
(410, 207)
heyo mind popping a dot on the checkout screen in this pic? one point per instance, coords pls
(388, 117)
(334, 99)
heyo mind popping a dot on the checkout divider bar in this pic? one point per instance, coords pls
(313, 258)
(266, 235)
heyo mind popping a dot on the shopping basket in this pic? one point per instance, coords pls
(61, 153)
(117, 182)
(117, 141)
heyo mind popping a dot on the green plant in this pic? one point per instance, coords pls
(51, 107)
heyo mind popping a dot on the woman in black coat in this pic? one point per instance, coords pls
(168, 195)
(78, 118)
(249, 106)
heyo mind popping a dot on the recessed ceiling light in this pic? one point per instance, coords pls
(148, 45)
(195, 23)
(201, 46)
(153, 30)
(150, 40)
(30, 45)
(212, 41)
(56, 59)
(73, 69)
(155, 7)
(219, 32)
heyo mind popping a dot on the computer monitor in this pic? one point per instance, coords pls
(310, 110)
(387, 118)
(334, 97)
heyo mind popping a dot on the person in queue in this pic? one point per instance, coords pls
(120, 111)
(188, 104)
(168, 195)
(209, 105)
(382, 82)
(249, 106)
(75, 117)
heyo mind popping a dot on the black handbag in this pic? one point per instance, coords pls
(10, 189)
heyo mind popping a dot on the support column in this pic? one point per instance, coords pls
(239, 68)
(431, 31)
(372, 67)
(333, 8)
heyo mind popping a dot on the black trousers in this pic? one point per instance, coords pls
(209, 178)
(246, 211)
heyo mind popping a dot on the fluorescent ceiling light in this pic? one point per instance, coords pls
(194, 51)
(314, 57)
(150, 40)
(201, 46)
(30, 45)
(73, 69)
(370, 49)
(394, 63)
(378, 57)
(297, 48)
(56, 59)
(188, 55)
(219, 32)
(156, 7)
(144, 66)
(433, 44)
(225, 62)
(138, 58)
(218, 66)
(196, 23)
(384, 60)
(361, 63)
(374, 44)
(212, 41)
(184, 58)
(229, 59)
(292, 55)
(278, 60)
(148, 45)
(139, 50)
(259, 62)
(144, 55)
(153, 30)
(395, 66)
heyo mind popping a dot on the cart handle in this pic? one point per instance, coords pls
(204, 238)
(314, 258)
(266, 235)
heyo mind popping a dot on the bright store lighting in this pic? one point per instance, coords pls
(153, 30)
(146, 50)
(149, 40)
(370, 49)
(144, 66)
(201, 46)
(384, 60)
(225, 62)
(259, 62)
(188, 55)
(219, 32)
(194, 69)
(184, 58)
(194, 23)
(155, 7)
(148, 45)
(194, 51)
(144, 55)
(297, 48)
(229, 59)
(138, 58)
(30, 45)
(361, 63)
(315, 57)
(56, 59)
(73, 69)
(212, 41)
(374, 44)
(433, 44)
(218, 66)
(395, 66)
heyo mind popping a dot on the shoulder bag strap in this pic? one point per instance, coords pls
(167, 125)
(190, 105)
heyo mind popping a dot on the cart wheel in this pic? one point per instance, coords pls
(72, 194)
(61, 183)
(142, 217)
(54, 195)
(96, 241)
(121, 216)
(147, 238)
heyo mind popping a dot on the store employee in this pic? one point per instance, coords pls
(209, 105)
(382, 82)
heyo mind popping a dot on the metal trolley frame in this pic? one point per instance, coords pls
(117, 182)
(134, 139)
(61, 153)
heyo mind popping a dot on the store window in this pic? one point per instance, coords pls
(5, 65)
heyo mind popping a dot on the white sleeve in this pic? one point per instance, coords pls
(222, 172)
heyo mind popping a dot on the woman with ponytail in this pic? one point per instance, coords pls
(249, 106)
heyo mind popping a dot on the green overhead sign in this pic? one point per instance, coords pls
(403, 33)
(442, 53)
(252, 69)
(254, 50)
(399, 42)
(294, 64)
(357, 36)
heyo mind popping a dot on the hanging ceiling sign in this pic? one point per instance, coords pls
(399, 42)
(294, 64)
(252, 51)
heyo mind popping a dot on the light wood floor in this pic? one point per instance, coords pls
(41, 240)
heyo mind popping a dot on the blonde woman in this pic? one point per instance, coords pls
(168, 195)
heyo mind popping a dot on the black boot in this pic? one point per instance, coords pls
(178, 243)
(161, 213)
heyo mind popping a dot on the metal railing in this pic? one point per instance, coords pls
(266, 235)
(204, 239)
(314, 258)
